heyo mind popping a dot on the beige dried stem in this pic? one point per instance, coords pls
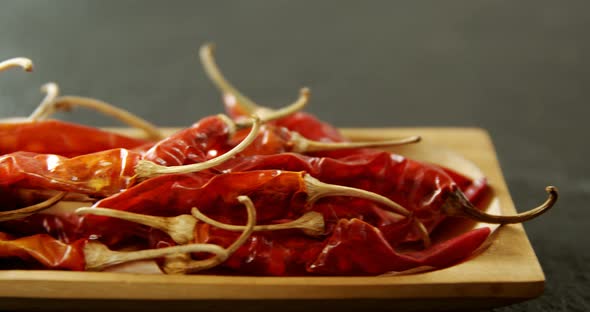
(30, 210)
(148, 169)
(99, 256)
(304, 145)
(46, 108)
(270, 115)
(65, 103)
(21, 62)
(180, 228)
(226, 88)
(183, 265)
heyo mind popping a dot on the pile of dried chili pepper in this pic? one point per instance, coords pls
(254, 192)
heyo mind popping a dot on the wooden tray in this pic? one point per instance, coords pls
(507, 272)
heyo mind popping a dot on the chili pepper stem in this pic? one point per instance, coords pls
(303, 145)
(65, 103)
(269, 115)
(457, 205)
(317, 189)
(312, 223)
(51, 90)
(215, 75)
(148, 169)
(180, 267)
(27, 211)
(179, 228)
(98, 256)
(21, 62)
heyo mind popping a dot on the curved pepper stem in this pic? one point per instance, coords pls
(65, 103)
(182, 265)
(459, 206)
(99, 256)
(303, 145)
(226, 88)
(267, 115)
(21, 62)
(46, 108)
(148, 169)
(317, 189)
(27, 211)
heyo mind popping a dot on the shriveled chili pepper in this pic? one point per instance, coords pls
(426, 190)
(347, 250)
(277, 194)
(107, 172)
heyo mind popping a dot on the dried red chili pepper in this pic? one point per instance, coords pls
(107, 172)
(426, 190)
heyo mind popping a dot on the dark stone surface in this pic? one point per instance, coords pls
(519, 69)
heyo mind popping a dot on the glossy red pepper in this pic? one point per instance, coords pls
(104, 173)
(419, 187)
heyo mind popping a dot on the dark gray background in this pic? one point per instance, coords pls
(519, 69)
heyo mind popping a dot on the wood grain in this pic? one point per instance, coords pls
(507, 271)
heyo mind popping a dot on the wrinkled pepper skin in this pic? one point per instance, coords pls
(60, 138)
